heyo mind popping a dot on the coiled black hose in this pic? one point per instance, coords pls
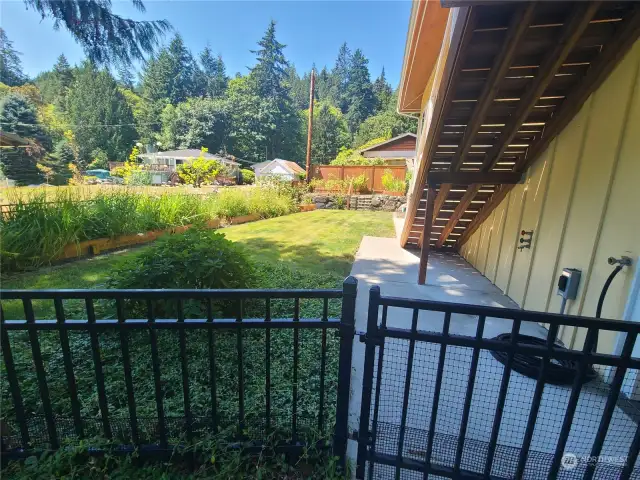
(559, 371)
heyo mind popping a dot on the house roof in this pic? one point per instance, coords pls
(391, 141)
(186, 154)
(510, 77)
(288, 165)
(259, 166)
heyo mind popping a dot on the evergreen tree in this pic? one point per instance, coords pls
(383, 92)
(214, 74)
(270, 73)
(126, 77)
(168, 78)
(329, 132)
(340, 75)
(104, 36)
(323, 85)
(359, 91)
(18, 116)
(62, 77)
(281, 130)
(100, 115)
(299, 88)
(10, 63)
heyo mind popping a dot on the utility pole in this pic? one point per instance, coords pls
(310, 130)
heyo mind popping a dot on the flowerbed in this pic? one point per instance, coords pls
(40, 230)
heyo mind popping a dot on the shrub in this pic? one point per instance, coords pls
(264, 201)
(391, 183)
(197, 258)
(248, 176)
(199, 170)
(359, 183)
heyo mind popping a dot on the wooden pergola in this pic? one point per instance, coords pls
(515, 74)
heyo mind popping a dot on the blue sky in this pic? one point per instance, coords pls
(312, 30)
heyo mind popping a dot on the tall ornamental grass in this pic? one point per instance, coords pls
(35, 231)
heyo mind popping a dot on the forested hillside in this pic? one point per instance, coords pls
(92, 113)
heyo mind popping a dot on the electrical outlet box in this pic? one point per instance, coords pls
(568, 283)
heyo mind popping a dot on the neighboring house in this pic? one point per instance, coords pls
(163, 164)
(529, 168)
(397, 151)
(284, 169)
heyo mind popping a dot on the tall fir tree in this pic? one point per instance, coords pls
(10, 63)
(214, 74)
(383, 92)
(18, 116)
(62, 78)
(268, 78)
(329, 132)
(100, 115)
(126, 78)
(323, 85)
(359, 92)
(340, 76)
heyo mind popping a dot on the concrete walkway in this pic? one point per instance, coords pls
(381, 261)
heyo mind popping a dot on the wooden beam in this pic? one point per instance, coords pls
(426, 233)
(573, 29)
(611, 54)
(460, 36)
(458, 212)
(469, 178)
(443, 193)
(484, 213)
(518, 26)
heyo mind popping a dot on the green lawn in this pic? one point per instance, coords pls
(305, 250)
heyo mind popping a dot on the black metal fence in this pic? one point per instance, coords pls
(152, 369)
(443, 398)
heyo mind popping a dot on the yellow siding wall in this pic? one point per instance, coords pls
(582, 199)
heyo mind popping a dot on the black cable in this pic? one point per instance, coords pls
(559, 371)
(603, 293)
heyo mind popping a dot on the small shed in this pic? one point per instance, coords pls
(285, 169)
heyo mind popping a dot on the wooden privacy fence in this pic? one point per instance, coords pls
(373, 173)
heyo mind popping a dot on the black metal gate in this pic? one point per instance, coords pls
(437, 403)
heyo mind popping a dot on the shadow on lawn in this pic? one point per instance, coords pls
(307, 256)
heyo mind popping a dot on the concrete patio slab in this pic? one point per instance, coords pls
(381, 261)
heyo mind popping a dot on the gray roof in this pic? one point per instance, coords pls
(186, 154)
(268, 166)
(259, 166)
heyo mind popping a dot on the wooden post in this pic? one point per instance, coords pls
(426, 237)
(310, 129)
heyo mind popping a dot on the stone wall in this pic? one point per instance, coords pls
(385, 203)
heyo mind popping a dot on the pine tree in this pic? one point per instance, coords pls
(359, 91)
(214, 74)
(100, 115)
(10, 63)
(383, 92)
(182, 69)
(323, 85)
(18, 116)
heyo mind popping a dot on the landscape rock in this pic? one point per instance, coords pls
(386, 203)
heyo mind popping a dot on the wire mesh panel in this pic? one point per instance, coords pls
(458, 391)
(165, 368)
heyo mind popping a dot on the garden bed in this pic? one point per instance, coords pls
(101, 245)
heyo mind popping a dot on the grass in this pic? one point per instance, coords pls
(305, 250)
(37, 229)
(320, 244)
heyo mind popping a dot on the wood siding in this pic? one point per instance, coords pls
(581, 200)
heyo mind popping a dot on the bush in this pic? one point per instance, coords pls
(359, 183)
(391, 183)
(198, 258)
(248, 176)
(265, 201)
